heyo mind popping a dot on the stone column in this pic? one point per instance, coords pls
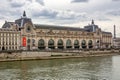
(55, 41)
(72, 43)
(46, 43)
(14, 42)
(79, 44)
(87, 47)
(8, 40)
(64, 43)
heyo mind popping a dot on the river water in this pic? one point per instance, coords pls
(91, 68)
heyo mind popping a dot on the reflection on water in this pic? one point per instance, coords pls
(92, 68)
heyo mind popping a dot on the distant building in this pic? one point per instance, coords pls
(91, 27)
(116, 42)
(103, 38)
(29, 36)
(9, 39)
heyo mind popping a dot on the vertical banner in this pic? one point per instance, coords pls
(24, 41)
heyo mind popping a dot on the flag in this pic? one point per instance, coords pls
(24, 41)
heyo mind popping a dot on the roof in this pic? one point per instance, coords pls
(7, 24)
(91, 28)
(106, 32)
(40, 26)
(6, 29)
(22, 21)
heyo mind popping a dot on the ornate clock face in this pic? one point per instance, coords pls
(28, 29)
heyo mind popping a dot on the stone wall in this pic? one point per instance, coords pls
(35, 54)
(24, 55)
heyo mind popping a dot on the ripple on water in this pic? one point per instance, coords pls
(97, 68)
(9, 74)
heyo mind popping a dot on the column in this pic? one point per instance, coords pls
(55, 43)
(64, 43)
(72, 43)
(46, 44)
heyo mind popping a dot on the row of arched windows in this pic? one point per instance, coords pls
(51, 44)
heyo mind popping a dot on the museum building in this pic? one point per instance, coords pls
(24, 35)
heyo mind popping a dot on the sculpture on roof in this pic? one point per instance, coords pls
(24, 14)
(92, 21)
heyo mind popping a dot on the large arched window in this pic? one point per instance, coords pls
(76, 44)
(41, 44)
(68, 44)
(90, 44)
(51, 44)
(83, 44)
(60, 44)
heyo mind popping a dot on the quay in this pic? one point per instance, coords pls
(53, 54)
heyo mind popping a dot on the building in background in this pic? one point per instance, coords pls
(102, 39)
(36, 36)
(116, 42)
(9, 39)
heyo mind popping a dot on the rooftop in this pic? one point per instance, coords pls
(58, 27)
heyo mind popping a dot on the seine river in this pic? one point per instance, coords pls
(92, 68)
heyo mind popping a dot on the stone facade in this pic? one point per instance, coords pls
(36, 36)
(9, 39)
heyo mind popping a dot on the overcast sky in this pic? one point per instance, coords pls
(76, 13)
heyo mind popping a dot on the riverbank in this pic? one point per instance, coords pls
(45, 55)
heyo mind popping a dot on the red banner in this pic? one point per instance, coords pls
(24, 41)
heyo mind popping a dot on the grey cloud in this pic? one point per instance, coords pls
(44, 13)
(69, 15)
(1, 17)
(18, 3)
(60, 16)
(115, 0)
(47, 13)
(114, 12)
(30, 0)
(40, 2)
(104, 19)
(77, 1)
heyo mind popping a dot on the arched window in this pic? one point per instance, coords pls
(60, 44)
(41, 44)
(51, 44)
(76, 44)
(90, 44)
(83, 44)
(68, 44)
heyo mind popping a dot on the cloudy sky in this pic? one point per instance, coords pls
(75, 13)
